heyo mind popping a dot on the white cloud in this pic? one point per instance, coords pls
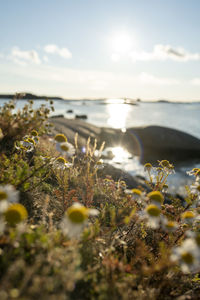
(195, 81)
(24, 57)
(150, 79)
(164, 52)
(54, 49)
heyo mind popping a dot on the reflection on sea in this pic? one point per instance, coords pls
(117, 114)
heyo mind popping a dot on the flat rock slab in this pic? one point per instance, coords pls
(150, 143)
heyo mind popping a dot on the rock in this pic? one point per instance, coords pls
(83, 117)
(150, 143)
(118, 174)
(58, 116)
(158, 142)
(70, 111)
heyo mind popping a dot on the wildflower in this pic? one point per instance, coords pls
(60, 138)
(138, 195)
(15, 214)
(75, 219)
(34, 133)
(187, 255)
(8, 195)
(156, 197)
(61, 163)
(147, 167)
(99, 165)
(165, 164)
(188, 216)
(65, 148)
(168, 225)
(194, 172)
(153, 213)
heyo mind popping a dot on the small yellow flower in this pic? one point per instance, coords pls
(153, 211)
(136, 192)
(60, 138)
(15, 214)
(34, 133)
(164, 163)
(147, 167)
(77, 214)
(188, 215)
(75, 219)
(156, 197)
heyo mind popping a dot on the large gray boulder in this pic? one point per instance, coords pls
(150, 143)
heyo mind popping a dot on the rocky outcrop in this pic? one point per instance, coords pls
(150, 143)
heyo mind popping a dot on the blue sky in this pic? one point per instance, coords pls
(145, 49)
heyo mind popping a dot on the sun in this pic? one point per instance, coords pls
(121, 42)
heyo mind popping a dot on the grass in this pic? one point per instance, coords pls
(68, 233)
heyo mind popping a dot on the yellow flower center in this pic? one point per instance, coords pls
(188, 215)
(64, 147)
(30, 140)
(34, 133)
(170, 225)
(3, 195)
(15, 214)
(148, 166)
(60, 138)
(164, 163)
(136, 192)
(156, 196)
(153, 210)
(61, 160)
(197, 239)
(77, 214)
(187, 257)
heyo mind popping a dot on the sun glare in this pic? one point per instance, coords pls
(119, 154)
(121, 43)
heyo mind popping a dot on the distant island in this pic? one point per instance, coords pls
(28, 96)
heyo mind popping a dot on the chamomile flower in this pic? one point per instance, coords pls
(61, 163)
(137, 195)
(8, 195)
(65, 148)
(187, 255)
(169, 225)
(188, 217)
(148, 167)
(60, 138)
(156, 198)
(153, 214)
(75, 219)
(15, 214)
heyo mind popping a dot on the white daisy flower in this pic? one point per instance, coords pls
(8, 195)
(168, 225)
(65, 148)
(188, 256)
(61, 163)
(153, 214)
(188, 217)
(75, 219)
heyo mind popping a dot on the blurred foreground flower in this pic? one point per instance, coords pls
(76, 218)
(153, 214)
(61, 163)
(15, 214)
(8, 195)
(188, 256)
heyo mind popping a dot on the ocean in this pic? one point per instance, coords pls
(117, 114)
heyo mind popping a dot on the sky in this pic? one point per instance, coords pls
(147, 49)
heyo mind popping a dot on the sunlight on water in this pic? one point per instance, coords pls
(117, 115)
(120, 154)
